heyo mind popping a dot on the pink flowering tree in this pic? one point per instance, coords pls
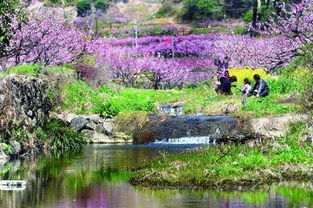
(295, 21)
(46, 39)
(120, 64)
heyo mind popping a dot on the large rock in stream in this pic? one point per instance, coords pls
(165, 127)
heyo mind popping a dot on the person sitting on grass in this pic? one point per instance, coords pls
(246, 89)
(260, 89)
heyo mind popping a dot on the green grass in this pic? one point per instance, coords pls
(267, 106)
(31, 70)
(230, 166)
(110, 101)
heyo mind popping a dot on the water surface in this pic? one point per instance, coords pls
(97, 177)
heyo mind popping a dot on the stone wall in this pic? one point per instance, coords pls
(24, 100)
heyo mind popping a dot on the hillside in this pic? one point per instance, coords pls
(138, 9)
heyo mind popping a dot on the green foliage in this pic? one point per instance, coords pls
(305, 59)
(214, 29)
(83, 8)
(266, 106)
(202, 10)
(78, 97)
(102, 5)
(31, 70)
(284, 85)
(22, 70)
(58, 136)
(236, 8)
(248, 17)
(52, 2)
(166, 10)
(8, 11)
(240, 30)
(6, 148)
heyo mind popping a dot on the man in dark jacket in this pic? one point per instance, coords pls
(260, 89)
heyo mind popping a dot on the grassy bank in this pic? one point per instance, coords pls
(111, 99)
(230, 166)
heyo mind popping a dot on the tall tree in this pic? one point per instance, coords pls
(255, 13)
(8, 11)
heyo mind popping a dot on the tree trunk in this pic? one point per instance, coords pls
(268, 4)
(276, 7)
(255, 13)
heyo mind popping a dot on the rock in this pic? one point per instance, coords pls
(91, 125)
(100, 138)
(67, 118)
(3, 156)
(164, 127)
(16, 146)
(108, 127)
(78, 123)
(231, 108)
(89, 133)
(95, 118)
(275, 127)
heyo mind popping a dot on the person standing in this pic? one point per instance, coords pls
(223, 76)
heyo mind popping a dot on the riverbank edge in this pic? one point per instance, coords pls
(238, 187)
(251, 165)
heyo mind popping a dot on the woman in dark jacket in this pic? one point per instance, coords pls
(223, 76)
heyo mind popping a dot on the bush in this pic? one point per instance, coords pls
(240, 30)
(166, 10)
(248, 17)
(202, 10)
(101, 5)
(83, 8)
(58, 136)
(284, 85)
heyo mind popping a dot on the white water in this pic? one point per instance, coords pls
(187, 140)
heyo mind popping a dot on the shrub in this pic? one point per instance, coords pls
(284, 85)
(58, 136)
(248, 17)
(83, 8)
(166, 10)
(101, 5)
(85, 72)
(201, 9)
(240, 30)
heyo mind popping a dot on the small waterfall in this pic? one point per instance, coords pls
(180, 129)
(187, 140)
(171, 110)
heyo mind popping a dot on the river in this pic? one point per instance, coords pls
(97, 177)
